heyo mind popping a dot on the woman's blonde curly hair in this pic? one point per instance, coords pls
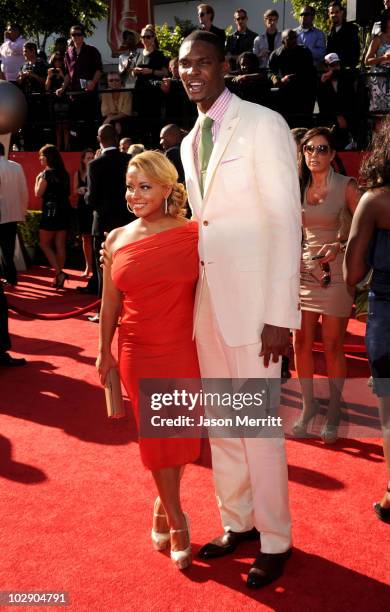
(160, 169)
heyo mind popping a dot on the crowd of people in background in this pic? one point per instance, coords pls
(289, 71)
(145, 106)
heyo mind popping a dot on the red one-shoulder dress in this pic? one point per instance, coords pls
(157, 276)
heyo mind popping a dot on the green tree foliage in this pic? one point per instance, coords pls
(170, 38)
(321, 7)
(41, 18)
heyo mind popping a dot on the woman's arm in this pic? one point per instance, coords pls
(371, 59)
(76, 183)
(109, 313)
(40, 186)
(352, 196)
(355, 267)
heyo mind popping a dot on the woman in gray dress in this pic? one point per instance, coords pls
(328, 202)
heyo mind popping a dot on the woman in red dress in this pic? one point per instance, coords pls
(149, 282)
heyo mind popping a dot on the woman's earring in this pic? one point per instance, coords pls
(128, 208)
(166, 208)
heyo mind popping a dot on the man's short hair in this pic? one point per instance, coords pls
(79, 27)
(15, 26)
(310, 8)
(2, 149)
(337, 3)
(31, 46)
(241, 10)
(106, 134)
(287, 34)
(208, 9)
(271, 13)
(209, 38)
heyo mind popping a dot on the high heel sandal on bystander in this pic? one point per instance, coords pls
(61, 277)
(182, 558)
(300, 426)
(160, 539)
(382, 513)
(329, 433)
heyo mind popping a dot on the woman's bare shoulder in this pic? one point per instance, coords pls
(378, 196)
(121, 236)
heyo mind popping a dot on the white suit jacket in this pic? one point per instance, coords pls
(249, 222)
(13, 191)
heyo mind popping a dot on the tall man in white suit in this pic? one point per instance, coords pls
(245, 198)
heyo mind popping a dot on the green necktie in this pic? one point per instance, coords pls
(205, 149)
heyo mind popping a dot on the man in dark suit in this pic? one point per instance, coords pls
(292, 71)
(170, 140)
(5, 341)
(106, 188)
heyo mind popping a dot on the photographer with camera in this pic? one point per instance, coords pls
(127, 58)
(150, 67)
(31, 80)
(59, 106)
(32, 75)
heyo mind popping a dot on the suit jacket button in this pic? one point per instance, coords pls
(205, 223)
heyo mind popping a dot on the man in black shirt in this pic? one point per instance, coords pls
(170, 140)
(343, 38)
(241, 40)
(5, 341)
(106, 189)
(337, 100)
(206, 16)
(292, 70)
(178, 108)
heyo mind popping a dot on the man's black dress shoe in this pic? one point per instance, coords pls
(226, 543)
(8, 361)
(81, 289)
(267, 568)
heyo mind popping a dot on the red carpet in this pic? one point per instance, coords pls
(76, 501)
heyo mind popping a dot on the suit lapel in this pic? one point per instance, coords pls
(191, 175)
(227, 129)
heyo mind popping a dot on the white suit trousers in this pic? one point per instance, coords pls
(250, 474)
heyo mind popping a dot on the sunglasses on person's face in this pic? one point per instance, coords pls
(240, 18)
(321, 149)
(147, 36)
(203, 14)
(77, 34)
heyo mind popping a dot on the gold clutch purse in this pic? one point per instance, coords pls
(114, 399)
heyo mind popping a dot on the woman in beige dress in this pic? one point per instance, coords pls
(116, 107)
(328, 202)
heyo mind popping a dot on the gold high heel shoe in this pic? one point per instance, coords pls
(182, 558)
(159, 539)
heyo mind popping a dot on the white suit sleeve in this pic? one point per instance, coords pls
(278, 185)
(23, 191)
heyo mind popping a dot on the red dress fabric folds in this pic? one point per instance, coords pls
(157, 276)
